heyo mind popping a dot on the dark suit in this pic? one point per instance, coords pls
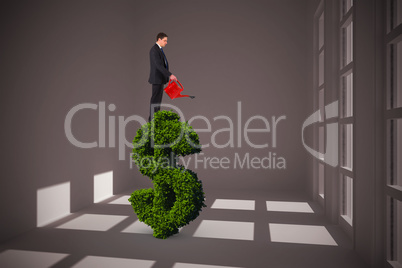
(158, 76)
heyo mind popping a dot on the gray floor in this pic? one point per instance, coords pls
(108, 234)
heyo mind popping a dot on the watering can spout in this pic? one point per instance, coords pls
(173, 90)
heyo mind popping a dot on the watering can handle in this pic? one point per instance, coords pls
(171, 81)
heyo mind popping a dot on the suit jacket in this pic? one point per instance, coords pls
(159, 73)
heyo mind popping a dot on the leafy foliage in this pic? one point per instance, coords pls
(177, 197)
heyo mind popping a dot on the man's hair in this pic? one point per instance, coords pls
(161, 36)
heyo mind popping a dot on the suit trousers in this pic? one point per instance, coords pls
(156, 99)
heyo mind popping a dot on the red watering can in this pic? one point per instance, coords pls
(173, 90)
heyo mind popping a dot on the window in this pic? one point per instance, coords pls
(347, 44)
(321, 180)
(347, 198)
(321, 68)
(395, 65)
(347, 95)
(319, 85)
(395, 152)
(394, 13)
(345, 7)
(394, 232)
(346, 120)
(347, 146)
(393, 118)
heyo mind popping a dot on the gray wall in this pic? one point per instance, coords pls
(57, 54)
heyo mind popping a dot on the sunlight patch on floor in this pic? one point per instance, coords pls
(192, 265)
(123, 200)
(234, 204)
(301, 234)
(283, 206)
(107, 262)
(226, 229)
(93, 222)
(24, 258)
(138, 228)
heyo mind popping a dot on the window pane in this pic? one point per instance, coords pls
(321, 134)
(347, 44)
(347, 198)
(395, 152)
(347, 146)
(394, 231)
(395, 98)
(321, 101)
(345, 6)
(395, 13)
(321, 180)
(347, 95)
(321, 68)
(321, 31)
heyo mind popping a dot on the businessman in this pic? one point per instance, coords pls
(159, 74)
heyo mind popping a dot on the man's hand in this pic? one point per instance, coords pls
(172, 77)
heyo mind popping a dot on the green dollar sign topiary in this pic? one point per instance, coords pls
(177, 197)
